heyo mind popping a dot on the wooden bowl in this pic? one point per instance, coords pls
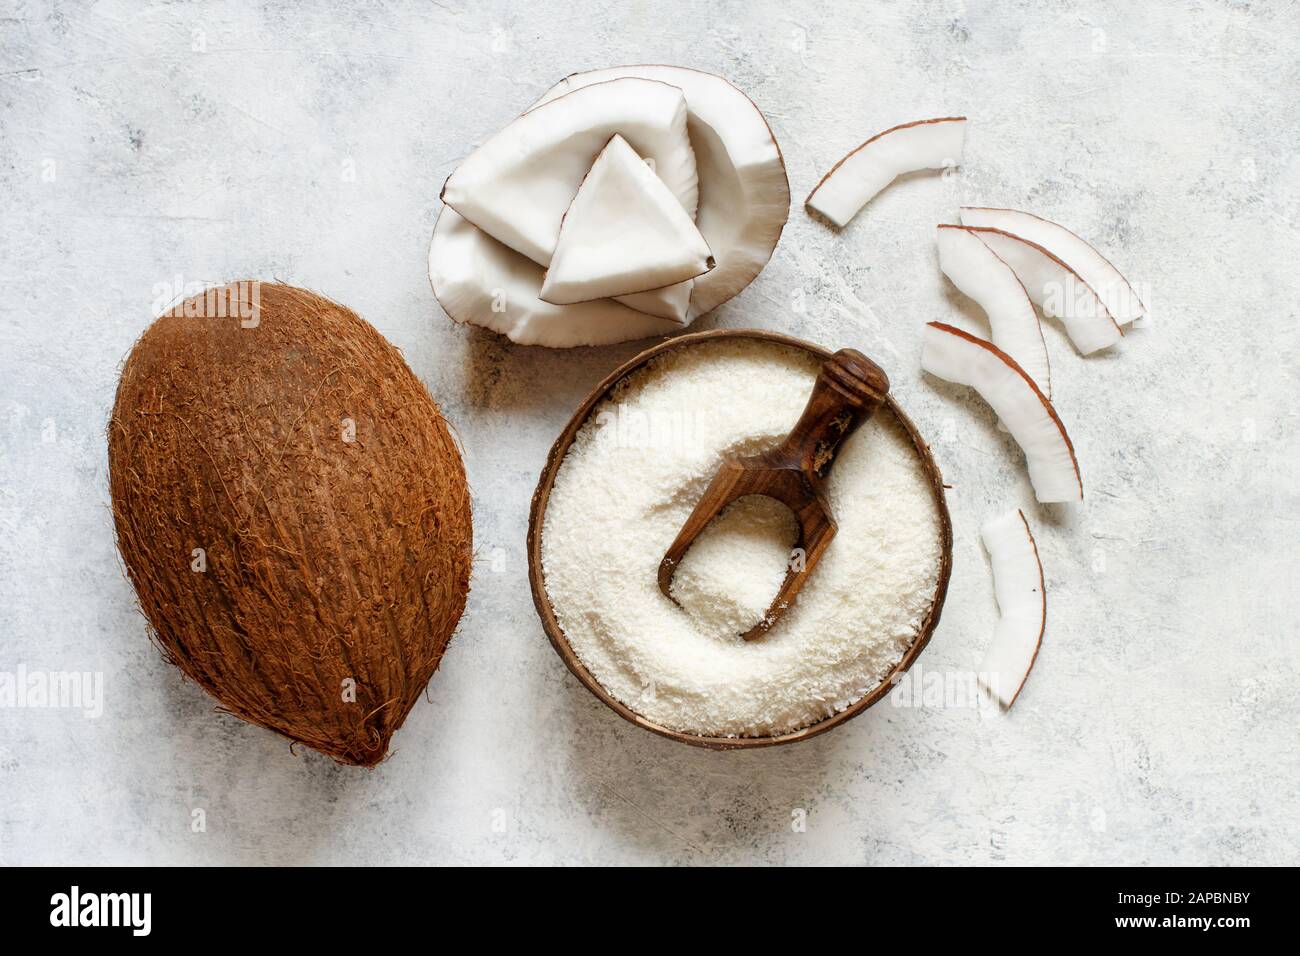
(556, 633)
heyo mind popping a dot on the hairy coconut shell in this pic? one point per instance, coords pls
(281, 434)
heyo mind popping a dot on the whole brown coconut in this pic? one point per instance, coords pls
(292, 511)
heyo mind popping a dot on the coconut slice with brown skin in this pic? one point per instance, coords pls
(859, 176)
(517, 186)
(1115, 292)
(625, 232)
(744, 196)
(479, 281)
(965, 359)
(1056, 289)
(1022, 606)
(977, 271)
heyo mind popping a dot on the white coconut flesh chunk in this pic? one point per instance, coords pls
(478, 280)
(672, 302)
(1056, 289)
(977, 272)
(859, 176)
(624, 232)
(965, 359)
(744, 196)
(517, 186)
(1115, 292)
(1022, 606)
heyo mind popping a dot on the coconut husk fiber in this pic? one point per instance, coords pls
(332, 571)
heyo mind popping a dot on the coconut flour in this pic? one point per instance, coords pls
(627, 484)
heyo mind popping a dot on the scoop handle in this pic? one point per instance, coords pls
(849, 388)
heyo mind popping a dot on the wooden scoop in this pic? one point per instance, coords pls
(848, 390)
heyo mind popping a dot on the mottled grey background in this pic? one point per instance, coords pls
(139, 142)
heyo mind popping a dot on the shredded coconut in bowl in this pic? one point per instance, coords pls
(627, 484)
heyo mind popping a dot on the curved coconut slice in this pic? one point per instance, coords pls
(482, 282)
(1056, 289)
(977, 271)
(744, 194)
(964, 359)
(1022, 606)
(855, 179)
(625, 232)
(517, 186)
(1090, 265)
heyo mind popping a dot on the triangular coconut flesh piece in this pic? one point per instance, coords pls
(855, 179)
(977, 271)
(479, 281)
(672, 302)
(1056, 289)
(1091, 266)
(965, 359)
(1022, 606)
(744, 196)
(625, 232)
(517, 186)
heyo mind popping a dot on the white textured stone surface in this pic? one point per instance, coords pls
(1160, 724)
